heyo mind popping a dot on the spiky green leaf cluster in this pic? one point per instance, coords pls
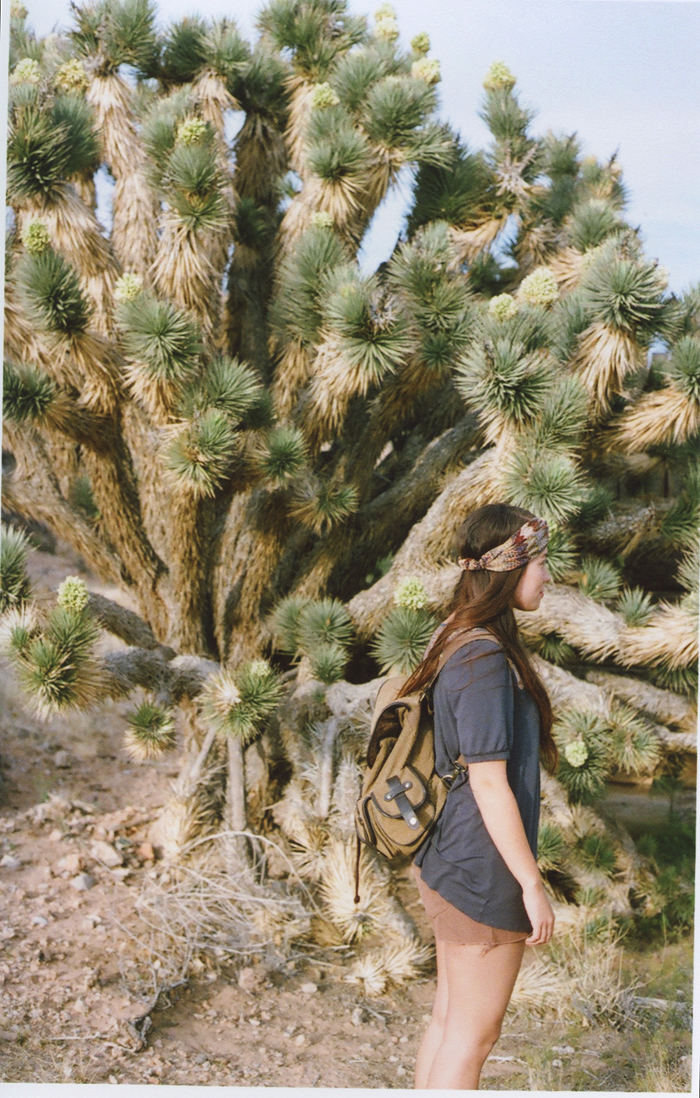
(635, 605)
(52, 295)
(150, 732)
(27, 393)
(238, 703)
(626, 294)
(57, 667)
(582, 770)
(200, 456)
(162, 339)
(15, 587)
(281, 456)
(321, 504)
(297, 310)
(634, 747)
(684, 367)
(598, 852)
(551, 846)
(553, 648)
(373, 338)
(548, 484)
(401, 640)
(319, 629)
(599, 579)
(500, 379)
(121, 31)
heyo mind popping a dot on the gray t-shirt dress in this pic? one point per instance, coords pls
(482, 712)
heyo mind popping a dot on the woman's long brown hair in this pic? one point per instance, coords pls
(483, 598)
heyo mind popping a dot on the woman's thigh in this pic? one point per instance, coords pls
(479, 986)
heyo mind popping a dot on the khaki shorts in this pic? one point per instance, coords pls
(452, 925)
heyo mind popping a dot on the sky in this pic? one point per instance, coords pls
(622, 74)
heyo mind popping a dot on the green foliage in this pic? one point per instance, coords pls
(560, 156)
(581, 736)
(194, 186)
(52, 295)
(37, 153)
(635, 605)
(561, 554)
(27, 393)
(328, 662)
(634, 748)
(122, 30)
(298, 306)
(227, 53)
(323, 621)
(402, 639)
(15, 588)
(684, 367)
(498, 377)
(356, 72)
(161, 338)
(553, 647)
(56, 667)
(548, 484)
(315, 35)
(598, 852)
(183, 52)
(238, 703)
(227, 386)
(591, 222)
(564, 415)
(81, 498)
(150, 732)
(373, 341)
(282, 457)
(200, 456)
(342, 155)
(74, 119)
(551, 846)
(323, 504)
(284, 623)
(395, 109)
(600, 579)
(625, 294)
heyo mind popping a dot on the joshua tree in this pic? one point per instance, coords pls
(270, 448)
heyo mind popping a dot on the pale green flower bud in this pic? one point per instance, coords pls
(72, 594)
(321, 219)
(190, 131)
(421, 43)
(26, 71)
(576, 753)
(128, 287)
(503, 307)
(387, 29)
(323, 96)
(35, 237)
(17, 10)
(71, 77)
(540, 288)
(411, 594)
(385, 11)
(499, 76)
(259, 668)
(427, 69)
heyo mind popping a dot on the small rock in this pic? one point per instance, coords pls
(309, 989)
(61, 760)
(72, 862)
(556, 1063)
(393, 1059)
(145, 852)
(56, 835)
(79, 1007)
(300, 1040)
(106, 853)
(358, 1016)
(83, 882)
(8, 861)
(401, 1070)
(39, 920)
(250, 979)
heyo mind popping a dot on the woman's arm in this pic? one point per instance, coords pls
(501, 815)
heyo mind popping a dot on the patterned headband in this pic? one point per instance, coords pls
(522, 546)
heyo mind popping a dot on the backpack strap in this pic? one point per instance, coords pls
(462, 637)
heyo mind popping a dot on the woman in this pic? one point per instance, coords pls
(477, 873)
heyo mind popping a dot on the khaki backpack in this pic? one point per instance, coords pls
(402, 793)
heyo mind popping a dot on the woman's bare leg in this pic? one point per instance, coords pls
(479, 987)
(432, 1038)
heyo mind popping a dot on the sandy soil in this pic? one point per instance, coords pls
(80, 987)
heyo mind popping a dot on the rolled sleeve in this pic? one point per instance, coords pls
(479, 690)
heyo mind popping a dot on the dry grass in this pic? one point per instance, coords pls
(604, 357)
(662, 417)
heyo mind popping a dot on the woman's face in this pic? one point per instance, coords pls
(530, 589)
